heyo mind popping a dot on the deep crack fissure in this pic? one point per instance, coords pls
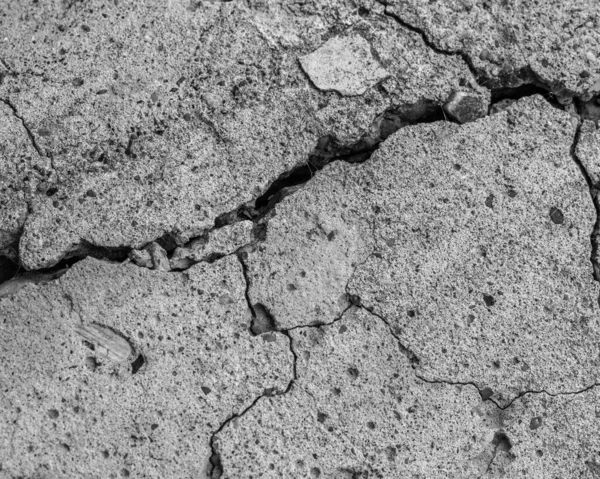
(216, 465)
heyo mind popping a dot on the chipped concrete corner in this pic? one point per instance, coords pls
(335, 239)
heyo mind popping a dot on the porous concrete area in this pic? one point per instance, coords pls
(346, 239)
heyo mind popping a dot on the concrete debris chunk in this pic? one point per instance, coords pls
(345, 65)
(464, 107)
(220, 241)
(106, 342)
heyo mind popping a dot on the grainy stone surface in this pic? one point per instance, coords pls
(557, 41)
(328, 239)
(588, 150)
(357, 410)
(473, 241)
(71, 411)
(182, 114)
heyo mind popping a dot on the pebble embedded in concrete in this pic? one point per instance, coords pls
(72, 383)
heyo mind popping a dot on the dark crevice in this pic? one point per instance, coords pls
(329, 149)
(9, 268)
(507, 79)
(484, 393)
(522, 91)
(216, 466)
(137, 364)
(430, 44)
(413, 359)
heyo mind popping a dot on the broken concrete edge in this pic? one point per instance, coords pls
(262, 207)
(327, 150)
(524, 76)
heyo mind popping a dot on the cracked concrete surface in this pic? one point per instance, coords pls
(341, 239)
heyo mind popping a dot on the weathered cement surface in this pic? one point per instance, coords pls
(357, 410)
(429, 313)
(513, 42)
(68, 411)
(472, 241)
(160, 117)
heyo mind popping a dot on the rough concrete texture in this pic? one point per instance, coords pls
(220, 241)
(328, 239)
(356, 409)
(70, 410)
(159, 117)
(512, 42)
(472, 241)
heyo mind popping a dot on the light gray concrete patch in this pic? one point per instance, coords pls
(588, 150)
(183, 113)
(551, 436)
(70, 411)
(473, 241)
(357, 410)
(558, 41)
(345, 65)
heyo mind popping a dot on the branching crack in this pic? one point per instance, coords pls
(216, 466)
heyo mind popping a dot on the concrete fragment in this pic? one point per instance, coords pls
(220, 241)
(142, 258)
(158, 256)
(345, 65)
(66, 411)
(357, 410)
(464, 107)
(473, 241)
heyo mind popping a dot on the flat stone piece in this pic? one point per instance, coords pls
(357, 410)
(345, 65)
(515, 42)
(68, 411)
(473, 241)
(106, 342)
